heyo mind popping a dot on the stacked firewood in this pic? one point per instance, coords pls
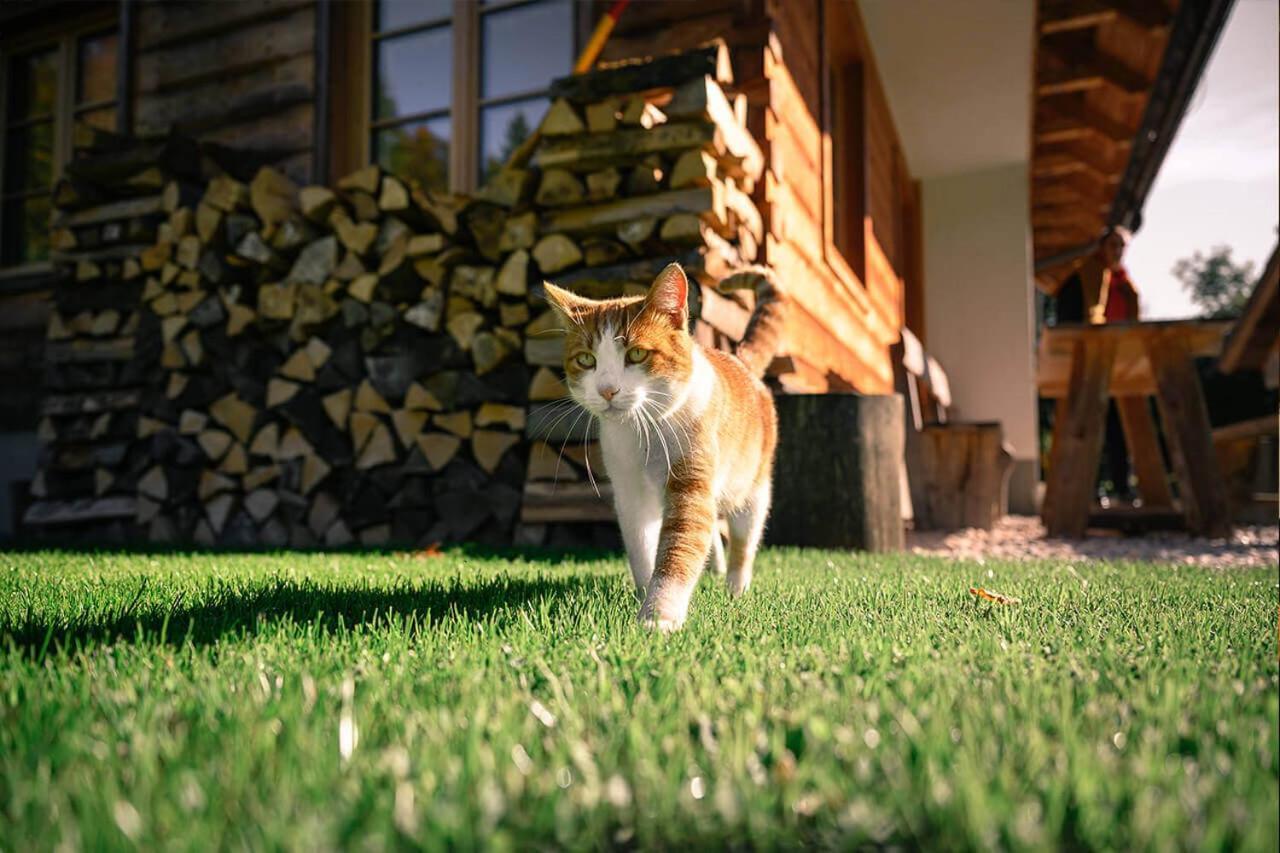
(375, 364)
(113, 201)
(340, 366)
(638, 165)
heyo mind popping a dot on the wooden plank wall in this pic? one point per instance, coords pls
(241, 72)
(846, 319)
(24, 311)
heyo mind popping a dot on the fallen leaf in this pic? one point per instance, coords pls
(991, 595)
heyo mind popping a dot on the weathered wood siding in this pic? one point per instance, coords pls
(239, 72)
(847, 310)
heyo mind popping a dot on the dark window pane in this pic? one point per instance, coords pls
(524, 48)
(394, 14)
(28, 157)
(96, 71)
(413, 73)
(26, 230)
(503, 128)
(418, 150)
(33, 84)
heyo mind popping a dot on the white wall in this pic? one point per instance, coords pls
(978, 304)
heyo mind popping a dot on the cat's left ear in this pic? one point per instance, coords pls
(568, 306)
(669, 296)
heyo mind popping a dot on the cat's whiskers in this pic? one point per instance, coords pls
(568, 404)
(564, 444)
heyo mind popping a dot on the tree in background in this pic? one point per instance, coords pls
(1218, 285)
(517, 132)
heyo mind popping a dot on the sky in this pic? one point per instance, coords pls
(1220, 183)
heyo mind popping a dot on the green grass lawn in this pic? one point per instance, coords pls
(312, 701)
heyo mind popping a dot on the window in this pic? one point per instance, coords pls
(454, 86)
(56, 92)
(844, 119)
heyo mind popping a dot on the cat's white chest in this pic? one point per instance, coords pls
(636, 462)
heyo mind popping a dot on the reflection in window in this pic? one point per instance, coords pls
(42, 123)
(418, 151)
(417, 113)
(398, 14)
(503, 128)
(413, 74)
(511, 65)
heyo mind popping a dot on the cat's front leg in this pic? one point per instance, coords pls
(688, 523)
(639, 510)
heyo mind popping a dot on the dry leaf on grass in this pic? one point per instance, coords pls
(991, 595)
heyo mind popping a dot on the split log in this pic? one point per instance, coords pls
(546, 386)
(493, 414)
(603, 184)
(235, 414)
(368, 399)
(519, 232)
(272, 196)
(508, 188)
(489, 446)
(559, 188)
(317, 203)
(556, 252)
(215, 443)
(439, 448)
(513, 277)
(420, 398)
(378, 450)
(337, 406)
(561, 120)
(408, 424)
(602, 116)
(266, 442)
(702, 98)
(463, 327)
(458, 423)
(368, 180)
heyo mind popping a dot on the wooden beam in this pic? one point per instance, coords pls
(1085, 73)
(1070, 15)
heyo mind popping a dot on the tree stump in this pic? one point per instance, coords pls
(966, 471)
(836, 479)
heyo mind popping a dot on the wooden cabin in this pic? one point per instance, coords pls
(922, 165)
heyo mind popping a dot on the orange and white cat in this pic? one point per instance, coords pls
(687, 433)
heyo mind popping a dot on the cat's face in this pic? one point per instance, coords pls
(625, 357)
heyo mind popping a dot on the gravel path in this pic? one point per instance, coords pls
(1020, 537)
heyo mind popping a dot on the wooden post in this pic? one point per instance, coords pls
(1186, 424)
(966, 475)
(1144, 450)
(836, 476)
(1077, 444)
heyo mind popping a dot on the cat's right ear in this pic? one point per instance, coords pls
(568, 306)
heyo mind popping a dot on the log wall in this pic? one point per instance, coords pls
(241, 72)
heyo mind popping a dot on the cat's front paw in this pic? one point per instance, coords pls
(661, 624)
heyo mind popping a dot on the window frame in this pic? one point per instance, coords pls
(65, 39)
(845, 185)
(352, 123)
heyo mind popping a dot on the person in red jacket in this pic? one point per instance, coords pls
(1120, 306)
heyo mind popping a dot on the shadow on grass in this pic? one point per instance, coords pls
(317, 606)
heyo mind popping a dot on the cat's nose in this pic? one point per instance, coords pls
(608, 392)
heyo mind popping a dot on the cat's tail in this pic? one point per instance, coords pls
(764, 331)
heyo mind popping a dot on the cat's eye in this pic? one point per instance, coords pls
(585, 360)
(636, 355)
